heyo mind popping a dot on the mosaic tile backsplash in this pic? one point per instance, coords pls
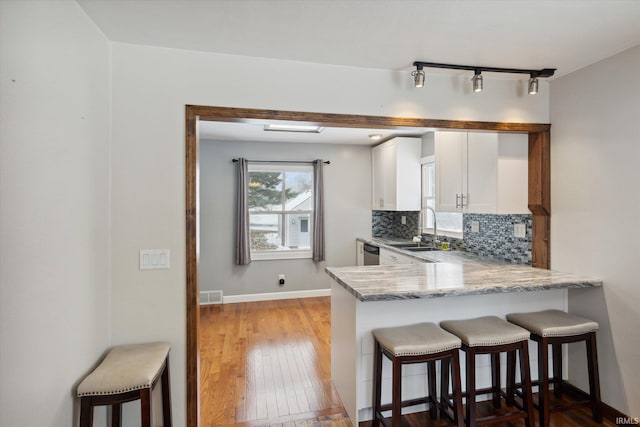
(494, 240)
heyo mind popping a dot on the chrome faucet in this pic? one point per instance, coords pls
(435, 226)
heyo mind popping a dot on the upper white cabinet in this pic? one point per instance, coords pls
(481, 172)
(396, 175)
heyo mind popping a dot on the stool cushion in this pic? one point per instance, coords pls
(553, 323)
(416, 340)
(126, 368)
(485, 331)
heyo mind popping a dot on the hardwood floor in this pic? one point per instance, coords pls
(268, 364)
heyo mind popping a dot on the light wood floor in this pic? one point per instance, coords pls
(268, 364)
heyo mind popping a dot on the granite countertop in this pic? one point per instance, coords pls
(448, 273)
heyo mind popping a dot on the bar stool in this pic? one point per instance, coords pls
(492, 335)
(419, 343)
(555, 327)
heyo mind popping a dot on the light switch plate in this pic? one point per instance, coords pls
(519, 230)
(155, 259)
(475, 226)
(403, 220)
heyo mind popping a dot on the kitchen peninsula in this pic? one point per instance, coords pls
(447, 285)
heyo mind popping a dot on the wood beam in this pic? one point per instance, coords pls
(540, 197)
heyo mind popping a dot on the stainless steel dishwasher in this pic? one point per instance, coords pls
(371, 254)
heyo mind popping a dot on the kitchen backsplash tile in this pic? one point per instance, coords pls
(388, 224)
(494, 240)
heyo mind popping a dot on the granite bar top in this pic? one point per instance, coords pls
(448, 274)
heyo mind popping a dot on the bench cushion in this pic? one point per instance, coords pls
(485, 331)
(416, 340)
(126, 368)
(553, 323)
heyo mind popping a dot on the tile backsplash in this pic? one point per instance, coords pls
(388, 224)
(494, 239)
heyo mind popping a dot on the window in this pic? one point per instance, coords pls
(449, 223)
(280, 210)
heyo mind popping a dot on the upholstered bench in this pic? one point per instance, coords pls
(127, 373)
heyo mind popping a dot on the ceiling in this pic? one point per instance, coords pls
(378, 34)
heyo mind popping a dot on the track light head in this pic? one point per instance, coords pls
(477, 81)
(533, 84)
(418, 76)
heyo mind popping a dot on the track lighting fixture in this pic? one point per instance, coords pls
(418, 74)
(533, 84)
(477, 81)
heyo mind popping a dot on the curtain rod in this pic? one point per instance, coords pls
(326, 162)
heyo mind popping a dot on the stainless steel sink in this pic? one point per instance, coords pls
(420, 249)
(413, 247)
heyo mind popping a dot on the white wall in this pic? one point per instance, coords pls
(596, 212)
(54, 218)
(150, 89)
(347, 184)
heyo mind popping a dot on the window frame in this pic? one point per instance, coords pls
(424, 201)
(282, 254)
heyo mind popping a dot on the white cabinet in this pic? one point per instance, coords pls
(359, 253)
(393, 258)
(395, 167)
(481, 172)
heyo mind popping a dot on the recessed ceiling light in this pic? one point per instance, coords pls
(375, 137)
(293, 128)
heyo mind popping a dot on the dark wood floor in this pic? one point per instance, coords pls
(268, 364)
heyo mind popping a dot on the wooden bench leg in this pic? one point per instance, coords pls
(166, 395)
(557, 369)
(116, 418)
(145, 407)
(86, 412)
(594, 377)
(495, 379)
(471, 386)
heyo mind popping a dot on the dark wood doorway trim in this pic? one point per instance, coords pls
(539, 195)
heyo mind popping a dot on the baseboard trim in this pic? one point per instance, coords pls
(272, 296)
(608, 412)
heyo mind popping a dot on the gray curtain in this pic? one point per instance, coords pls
(318, 213)
(243, 250)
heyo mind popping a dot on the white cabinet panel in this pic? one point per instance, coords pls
(359, 253)
(395, 172)
(481, 172)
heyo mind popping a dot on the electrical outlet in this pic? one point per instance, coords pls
(281, 279)
(475, 226)
(403, 219)
(519, 230)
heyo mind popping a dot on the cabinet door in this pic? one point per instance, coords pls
(390, 176)
(378, 173)
(450, 156)
(359, 253)
(482, 173)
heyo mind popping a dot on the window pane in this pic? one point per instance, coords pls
(280, 232)
(265, 190)
(449, 222)
(299, 184)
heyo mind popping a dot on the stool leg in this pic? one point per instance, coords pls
(543, 376)
(377, 380)
(86, 412)
(556, 349)
(166, 395)
(457, 390)
(495, 379)
(116, 418)
(145, 407)
(396, 402)
(594, 377)
(525, 374)
(511, 377)
(444, 384)
(431, 399)
(471, 387)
